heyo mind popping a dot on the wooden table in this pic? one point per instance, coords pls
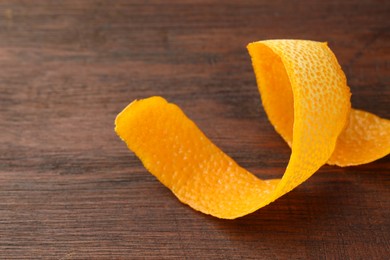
(70, 189)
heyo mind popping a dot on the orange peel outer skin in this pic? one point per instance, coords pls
(307, 100)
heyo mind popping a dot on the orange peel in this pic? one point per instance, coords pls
(306, 98)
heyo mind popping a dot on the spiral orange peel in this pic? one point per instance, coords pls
(306, 98)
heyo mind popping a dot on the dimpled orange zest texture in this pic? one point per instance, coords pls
(306, 98)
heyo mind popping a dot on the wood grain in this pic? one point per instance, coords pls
(69, 188)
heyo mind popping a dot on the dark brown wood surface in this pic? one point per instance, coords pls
(70, 189)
